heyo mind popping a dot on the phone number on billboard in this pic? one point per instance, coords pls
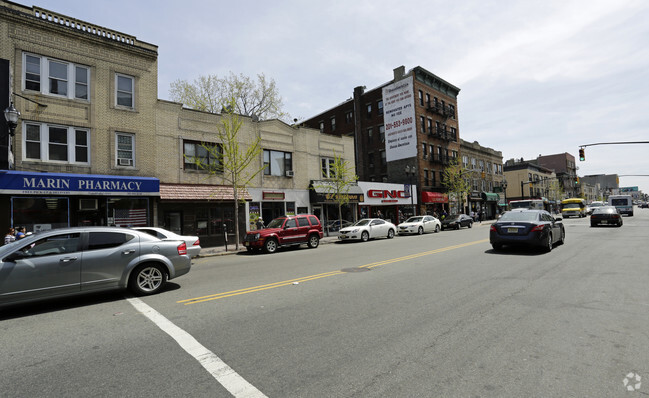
(398, 123)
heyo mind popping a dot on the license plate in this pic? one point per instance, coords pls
(603, 222)
(512, 230)
(343, 236)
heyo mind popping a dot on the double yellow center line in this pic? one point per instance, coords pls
(318, 276)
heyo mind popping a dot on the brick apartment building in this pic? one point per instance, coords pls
(433, 126)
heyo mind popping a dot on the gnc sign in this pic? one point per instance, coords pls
(387, 194)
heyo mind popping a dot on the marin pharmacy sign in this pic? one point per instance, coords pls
(24, 183)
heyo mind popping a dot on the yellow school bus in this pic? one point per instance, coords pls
(573, 207)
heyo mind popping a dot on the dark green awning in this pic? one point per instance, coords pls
(490, 197)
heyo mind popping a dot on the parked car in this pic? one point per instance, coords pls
(336, 225)
(193, 243)
(69, 261)
(455, 221)
(285, 231)
(419, 225)
(527, 227)
(368, 228)
(606, 215)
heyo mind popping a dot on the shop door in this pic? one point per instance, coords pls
(173, 222)
(271, 210)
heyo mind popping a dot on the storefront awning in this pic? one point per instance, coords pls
(434, 197)
(490, 197)
(200, 192)
(30, 183)
(324, 192)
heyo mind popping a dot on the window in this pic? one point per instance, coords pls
(333, 124)
(465, 161)
(424, 150)
(369, 111)
(53, 245)
(426, 177)
(370, 160)
(277, 163)
(451, 111)
(303, 222)
(422, 121)
(328, 168)
(196, 154)
(383, 161)
(473, 163)
(421, 98)
(64, 79)
(125, 145)
(382, 133)
(429, 123)
(106, 240)
(481, 163)
(124, 90)
(428, 100)
(56, 143)
(349, 116)
(369, 135)
(379, 106)
(454, 133)
(322, 127)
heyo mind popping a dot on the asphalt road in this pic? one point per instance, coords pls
(438, 315)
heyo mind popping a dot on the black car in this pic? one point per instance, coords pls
(455, 221)
(606, 215)
(527, 227)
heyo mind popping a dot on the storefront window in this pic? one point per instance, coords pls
(39, 214)
(127, 212)
(290, 208)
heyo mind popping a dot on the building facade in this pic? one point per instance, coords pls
(565, 168)
(484, 169)
(528, 180)
(425, 112)
(95, 146)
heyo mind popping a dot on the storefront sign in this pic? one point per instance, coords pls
(399, 117)
(24, 183)
(385, 193)
(434, 197)
(272, 195)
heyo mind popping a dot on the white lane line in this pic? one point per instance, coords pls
(235, 384)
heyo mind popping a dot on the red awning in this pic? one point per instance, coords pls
(434, 197)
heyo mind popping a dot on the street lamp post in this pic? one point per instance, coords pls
(505, 192)
(410, 172)
(11, 116)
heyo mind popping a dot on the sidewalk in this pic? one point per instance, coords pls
(333, 237)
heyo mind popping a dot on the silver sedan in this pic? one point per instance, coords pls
(69, 261)
(419, 225)
(368, 228)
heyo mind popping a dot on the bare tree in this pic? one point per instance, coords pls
(231, 160)
(258, 97)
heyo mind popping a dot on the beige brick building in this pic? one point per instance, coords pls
(95, 146)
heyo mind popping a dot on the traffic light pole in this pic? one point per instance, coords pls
(582, 154)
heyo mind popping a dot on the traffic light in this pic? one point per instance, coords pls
(576, 180)
(582, 154)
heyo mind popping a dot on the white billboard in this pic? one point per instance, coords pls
(399, 118)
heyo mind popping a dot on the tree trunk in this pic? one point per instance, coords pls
(236, 218)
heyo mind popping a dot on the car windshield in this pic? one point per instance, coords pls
(415, 219)
(519, 216)
(276, 223)
(571, 206)
(362, 222)
(605, 209)
(596, 204)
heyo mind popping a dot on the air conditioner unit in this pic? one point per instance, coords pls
(289, 173)
(87, 204)
(124, 162)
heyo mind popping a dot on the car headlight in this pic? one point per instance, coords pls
(355, 230)
(257, 236)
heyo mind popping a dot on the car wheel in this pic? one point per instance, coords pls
(390, 233)
(497, 246)
(563, 237)
(420, 231)
(314, 241)
(147, 279)
(548, 243)
(365, 236)
(437, 228)
(470, 225)
(457, 226)
(270, 246)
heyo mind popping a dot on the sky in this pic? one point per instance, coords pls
(536, 77)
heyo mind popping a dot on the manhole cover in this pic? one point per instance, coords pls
(357, 269)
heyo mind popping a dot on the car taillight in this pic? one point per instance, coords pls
(182, 249)
(493, 228)
(197, 243)
(537, 228)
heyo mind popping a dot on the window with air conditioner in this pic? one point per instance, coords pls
(125, 146)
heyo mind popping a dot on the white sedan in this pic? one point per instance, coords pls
(192, 242)
(419, 225)
(368, 228)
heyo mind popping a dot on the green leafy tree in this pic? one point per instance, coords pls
(231, 160)
(341, 177)
(244, 95)
(457, 180)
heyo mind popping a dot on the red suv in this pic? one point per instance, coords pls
(285, 231)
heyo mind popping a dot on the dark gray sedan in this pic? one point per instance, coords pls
(70, 261)
(527, 227)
